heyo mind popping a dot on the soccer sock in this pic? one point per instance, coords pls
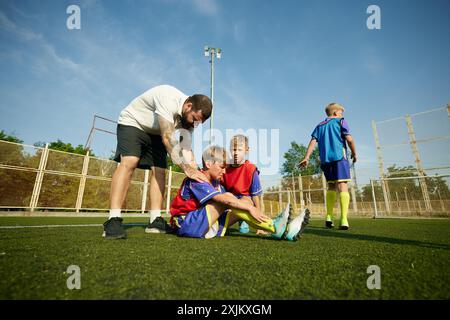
(345, 202)
(247, 217)
(114, 213)
(331, 199)
(154, 214)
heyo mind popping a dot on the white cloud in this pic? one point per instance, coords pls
(207, 7)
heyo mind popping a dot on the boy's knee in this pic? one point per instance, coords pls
(217, 206)
(342, 186)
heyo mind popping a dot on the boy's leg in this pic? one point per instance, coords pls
(243, 226)
(344, 198)
(330, 201)
(236, 215)
(247, 217)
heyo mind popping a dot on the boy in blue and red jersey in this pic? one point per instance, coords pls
(205, 210)
(332, 136)
(241, 177)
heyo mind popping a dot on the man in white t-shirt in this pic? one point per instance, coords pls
(145, 135)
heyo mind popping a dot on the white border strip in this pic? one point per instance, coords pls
(66, 225)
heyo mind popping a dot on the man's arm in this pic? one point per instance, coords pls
(173, 149)
(190, 158)
(309, 151)
(351, 144)
(229, 200)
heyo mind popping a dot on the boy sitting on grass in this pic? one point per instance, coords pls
(241, 177)
(205, 210)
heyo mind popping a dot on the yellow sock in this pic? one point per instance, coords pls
(331, 199)
(345, 202)
(247, 217)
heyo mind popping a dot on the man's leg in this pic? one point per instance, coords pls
(119, 188)
(330, 201)
(157, 188)
(344, 198)
(121, 181)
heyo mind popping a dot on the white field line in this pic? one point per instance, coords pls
(65, 225)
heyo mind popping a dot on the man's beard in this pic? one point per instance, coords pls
(185, 124)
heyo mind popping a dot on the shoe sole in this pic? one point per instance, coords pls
(154, 230)
(122, 236)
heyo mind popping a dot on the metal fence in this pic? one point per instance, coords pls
(36, 179)
(405, 199)
(41, 179)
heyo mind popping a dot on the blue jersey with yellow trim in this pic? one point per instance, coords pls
(330, 136)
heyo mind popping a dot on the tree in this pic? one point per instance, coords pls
(292, 158)
(437, 186)
(62, 146)
(6, 137)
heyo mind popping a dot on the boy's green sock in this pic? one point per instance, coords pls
(247, 217)
(331, 199)
(345, 202)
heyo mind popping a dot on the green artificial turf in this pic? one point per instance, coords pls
(413, 256)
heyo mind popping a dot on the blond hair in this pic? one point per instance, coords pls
(332, 107)
(214, 154)
(239, 139)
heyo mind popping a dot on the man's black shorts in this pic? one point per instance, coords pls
(149, 148)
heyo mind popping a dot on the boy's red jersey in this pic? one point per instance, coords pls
(238, 180)
(183, 205)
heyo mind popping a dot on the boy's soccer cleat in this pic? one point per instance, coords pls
(113, 229)
(244, 228)
(280, 222)
(159, 225)
(344, 227)
(297, 226)
(329, 224)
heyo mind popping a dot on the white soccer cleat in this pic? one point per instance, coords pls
(280, 222)
(297, 226)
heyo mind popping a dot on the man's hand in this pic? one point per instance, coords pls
(256, 213)
(354, 157)
(195, 174)
(304, 163)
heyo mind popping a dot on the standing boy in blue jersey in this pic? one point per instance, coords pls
(332, 136)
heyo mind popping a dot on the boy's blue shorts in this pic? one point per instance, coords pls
(197, 224)
(336, 171)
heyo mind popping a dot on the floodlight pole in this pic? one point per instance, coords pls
(212, 96)
(213, 52)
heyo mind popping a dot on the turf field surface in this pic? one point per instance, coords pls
(413, 257)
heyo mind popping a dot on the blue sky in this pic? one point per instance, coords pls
(283, 62)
